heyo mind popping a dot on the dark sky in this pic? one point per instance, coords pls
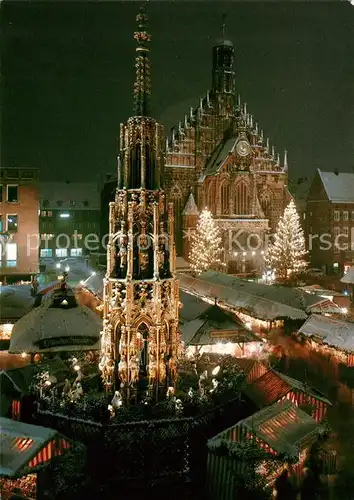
(67, 73)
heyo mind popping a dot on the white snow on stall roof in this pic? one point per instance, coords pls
(333, 332)
(242, 299)
(349, 276)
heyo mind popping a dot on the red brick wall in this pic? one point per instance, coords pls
(28, 229)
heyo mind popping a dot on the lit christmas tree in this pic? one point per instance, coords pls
(286, 255)
(205, 244)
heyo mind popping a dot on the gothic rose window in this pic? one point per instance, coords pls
(225, 198)
(242, 199)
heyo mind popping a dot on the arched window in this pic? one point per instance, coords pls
(242, 199)
(225, 198)
(210, 202)
(143, 332)
(265, 199)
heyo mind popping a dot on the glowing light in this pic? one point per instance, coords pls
(64, 216)
(93, 273)
(47, 383)
(216, 370)
(76, 368)
(253, 253)
(64, 302)
(58, 265)
(344, 310)
(24, 355)
(82, 282)
(67, 269)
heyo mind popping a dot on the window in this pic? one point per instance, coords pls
(211, 196)
(336, 215)
(12, 193)
(49, 213)
(11, 254)
(225, 198)
(1, 225)
(352, 215)
(241, 199)
(12, 223)
(61, 252)
(43, 213)
(46, 252)
(336, 231)
(0, 193)
(345, 215)
(346, 231)
(76, 252)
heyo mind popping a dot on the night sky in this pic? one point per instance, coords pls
(67, 71)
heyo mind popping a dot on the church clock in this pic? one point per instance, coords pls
(243, 148)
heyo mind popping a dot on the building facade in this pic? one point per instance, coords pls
(217, 154)
(330, 221)
(140, 317)
(19, 226)
(69, 220)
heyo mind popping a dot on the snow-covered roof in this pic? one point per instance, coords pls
(283, 426)
(70, 196)
(349, 276)
(200, 330)
(21, 445)
(333, 332)
(338, 186)
(191, 206)
(261, 301)
(50, 327)
(15, 302)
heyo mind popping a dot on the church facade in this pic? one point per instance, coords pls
(217, 158)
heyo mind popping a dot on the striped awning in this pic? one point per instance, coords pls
(24, 447)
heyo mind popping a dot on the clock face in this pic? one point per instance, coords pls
(243, 148)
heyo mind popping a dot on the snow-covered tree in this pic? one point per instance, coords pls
(286, 254)
(206, 244)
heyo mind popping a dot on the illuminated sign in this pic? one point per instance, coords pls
(65, 341)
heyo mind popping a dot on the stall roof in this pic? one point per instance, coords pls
(15, 302)
(349, 276)
(57, 325)
(191, 307)
(21, 444)
(333, 332)
(273, 386)
(212, 320)
(242, 295)
(283, 426)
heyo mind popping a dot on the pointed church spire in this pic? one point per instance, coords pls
(142, 84)
(223, 26)
(285, 161)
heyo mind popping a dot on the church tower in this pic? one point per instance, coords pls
(140, 337)
(223, 75)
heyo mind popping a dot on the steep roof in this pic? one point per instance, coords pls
(349, 276)
(339, 187)
(199, 331)
(70, 196)
(21, 443)
(333, 332)
(283, 426)
(273, 385)
(15, 301)
(58, 324)
(191, 206)
(219, 156)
